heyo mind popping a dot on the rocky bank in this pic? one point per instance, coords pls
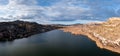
(105, 34)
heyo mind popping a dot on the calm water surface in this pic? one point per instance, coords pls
(53, 43)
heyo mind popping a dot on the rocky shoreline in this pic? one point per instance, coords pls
(105, 34)
(96, 40)
(22, 29)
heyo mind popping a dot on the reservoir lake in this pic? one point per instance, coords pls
(53, 43)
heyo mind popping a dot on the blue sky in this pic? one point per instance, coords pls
(59, 11)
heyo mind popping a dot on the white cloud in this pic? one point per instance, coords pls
(62, 10)
(28, 9)
(22, 2)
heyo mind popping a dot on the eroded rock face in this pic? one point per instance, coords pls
(105, 34)
(20, 29)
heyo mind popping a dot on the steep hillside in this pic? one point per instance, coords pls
(20, 29)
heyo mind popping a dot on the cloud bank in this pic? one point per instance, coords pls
(58, 10)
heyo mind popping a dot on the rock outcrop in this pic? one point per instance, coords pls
(20, 29)
(105, 34)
